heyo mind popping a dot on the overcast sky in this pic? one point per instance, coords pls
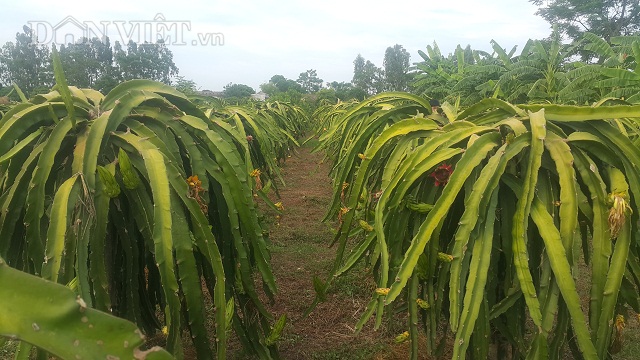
(249, 41)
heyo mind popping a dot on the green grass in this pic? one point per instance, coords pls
(290, 339)
(299, 248)
(354, 283)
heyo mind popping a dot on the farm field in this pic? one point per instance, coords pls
(476, 202)
(302, 198)
(299, 240)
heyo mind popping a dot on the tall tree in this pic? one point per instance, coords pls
(145, 61)
(605, 18)
(237, 90)
(279, 83)
(4, 72)
(346, 91)
(358, 71)
(185, 86)
(26, 64)
(269, 88)
(87, 62)
(396, 68)
(367, 76)
(309, 81)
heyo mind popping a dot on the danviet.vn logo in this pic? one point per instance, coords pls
(159, 29)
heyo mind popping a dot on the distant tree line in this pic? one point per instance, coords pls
(99, 64)
(367, 80)
(89, 63)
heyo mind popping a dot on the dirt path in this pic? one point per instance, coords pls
(299, 251)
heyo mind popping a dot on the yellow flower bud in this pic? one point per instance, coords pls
(445, 257)
(382, 291)
(365, 226)
(423, 304)
(255, 173)
(402, 337)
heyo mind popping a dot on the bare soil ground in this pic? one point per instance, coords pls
(300, 251)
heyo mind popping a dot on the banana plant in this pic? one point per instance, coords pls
(538, 74)
(139, 199)
(543, 71)
(480, 224)
(467, 74)
(613, 76)
(436, 74)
